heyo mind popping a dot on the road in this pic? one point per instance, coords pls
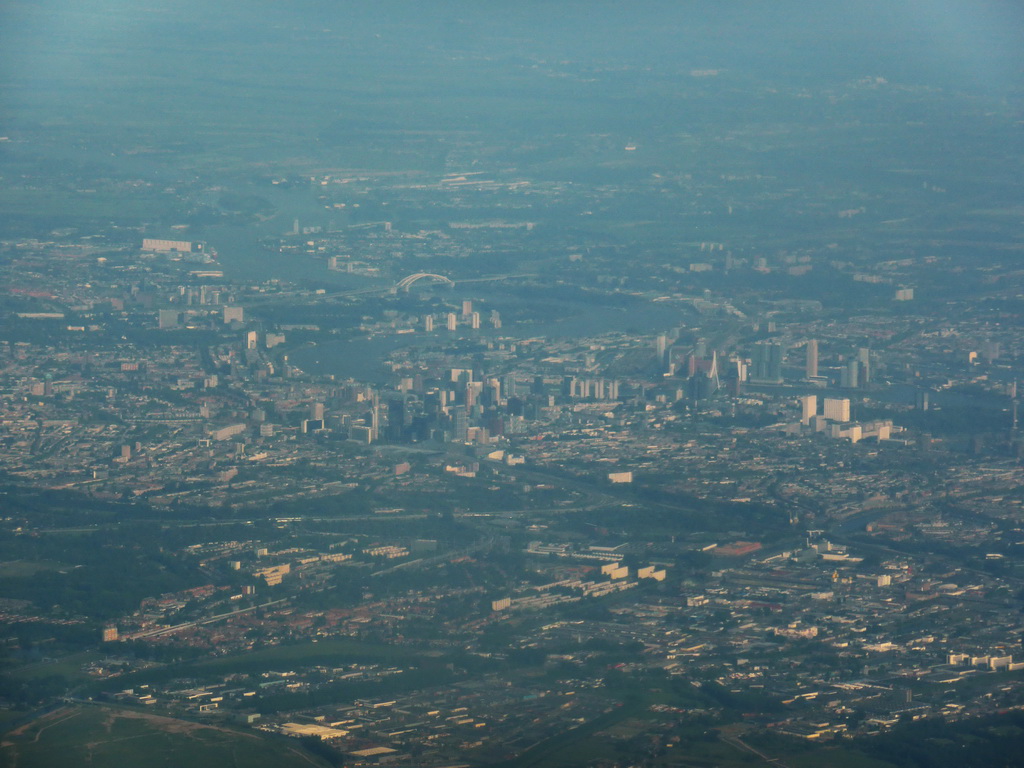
(199, 622)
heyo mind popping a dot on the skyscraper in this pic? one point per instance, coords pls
(812, 358)
(460, 424)
(767, 363)
(848, 376)
(864, 359)
(808, 408)
(661, 347)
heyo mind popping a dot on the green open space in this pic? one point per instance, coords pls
(66, 666)
(101, 736)
(21, 569)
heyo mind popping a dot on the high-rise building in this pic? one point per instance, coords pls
(848, 375)
(168, 318)
(837, 409)
(741, 371)
(812, 358)
(767, 363)
(467, 308)
(864, 359)
(428, 323)
(661, 347)
(808, 408)
(453, 321)
(494, 391)
(234, 313)
(460, 421)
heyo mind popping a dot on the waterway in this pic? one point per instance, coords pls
(242, 257)
(363, 359)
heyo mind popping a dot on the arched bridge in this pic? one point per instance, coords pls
(406, 282)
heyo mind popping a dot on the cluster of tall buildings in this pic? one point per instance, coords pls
(452, 320)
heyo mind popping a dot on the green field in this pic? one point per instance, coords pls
(23, 569)
(102, 736)
(68, 666)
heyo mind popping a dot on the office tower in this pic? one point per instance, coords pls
(808, 408)
(691, 365)
(168, 318)
(848, 375)
(398, 419)
(812, 358)
(460, 419)
(767, 363)
(837, 409)
(661, 347)
(864, 359)
(741, 371)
